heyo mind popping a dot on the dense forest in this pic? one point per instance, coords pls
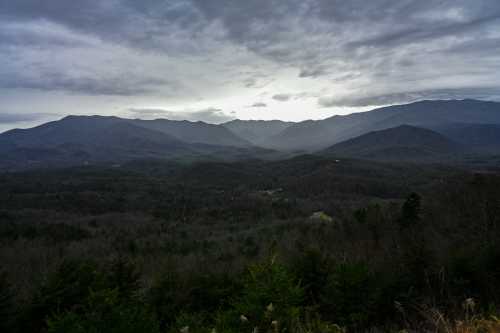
(310, 244)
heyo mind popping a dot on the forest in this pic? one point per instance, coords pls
(309, 244)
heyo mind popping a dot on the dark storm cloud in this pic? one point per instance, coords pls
(375, 39)
(487, 93)
(478, 46)
(119, 86)
(124, 21)
(357, 52)
(408, 20)
(260, 24)
(417, 34)
(256, 22)
(9, 38)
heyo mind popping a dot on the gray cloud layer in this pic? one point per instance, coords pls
(281, 97)
(210, 115)
(12, 118)
(338, 53)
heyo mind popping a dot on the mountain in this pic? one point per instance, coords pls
(256, 131)
(77, 140)
(475, 125)
(314, 135)
(482, 138)
(194, 132)
(402, 143)
(82, 130)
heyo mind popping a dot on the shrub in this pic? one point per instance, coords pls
(66, 289)
(270, 293)
(350, 295)
(123, 276)
(312, 269)
(7, 308)
(410, 212)
(104, 312)
(166, 297)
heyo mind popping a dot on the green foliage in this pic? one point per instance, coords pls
(410, 212)
(350, 295)
(312, 269)
(105, 313)
(419, 263)
(361, 215)
(210, 292)
(215, 227)
(64, 290)
(124, 277)
(54, 232)
(269, 293)
(314, 324)
(166, 297)
(196, 322)
(476, 273)
(7, 306)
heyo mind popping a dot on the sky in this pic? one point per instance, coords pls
(216, 60)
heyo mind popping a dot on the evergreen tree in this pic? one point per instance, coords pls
(410, 212)
(7, 311)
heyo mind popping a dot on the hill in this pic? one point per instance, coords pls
(481, 138)
(314, 135)
(194, 132)
(77, 140)
(257, 131)
(402, 143)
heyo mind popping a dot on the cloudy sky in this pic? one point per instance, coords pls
(215, 60)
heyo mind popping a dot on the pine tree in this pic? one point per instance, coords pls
(7, 311)
(410, 212)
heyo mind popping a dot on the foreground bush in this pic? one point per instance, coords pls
(104, 312)
(270, 297)
(7, 307)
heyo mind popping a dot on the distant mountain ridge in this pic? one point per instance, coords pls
(417, 131)
(257, 131)
(402, 143)
(77, 140)
(194, 132)
(314, 135)
(478, 137)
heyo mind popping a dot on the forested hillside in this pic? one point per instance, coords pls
(303, 245)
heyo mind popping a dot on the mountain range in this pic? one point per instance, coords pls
(422, 131)
(402, 143)
(259, 132)
(76, 140)
(437, 115)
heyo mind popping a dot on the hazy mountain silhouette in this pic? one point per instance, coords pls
(94, 139)
(402, 143)
(474, 125)
(314, 135)
(195, 132)
(483, 138)
(257, 131)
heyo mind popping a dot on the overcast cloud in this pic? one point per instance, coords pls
(210, 115)
(206, 59)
